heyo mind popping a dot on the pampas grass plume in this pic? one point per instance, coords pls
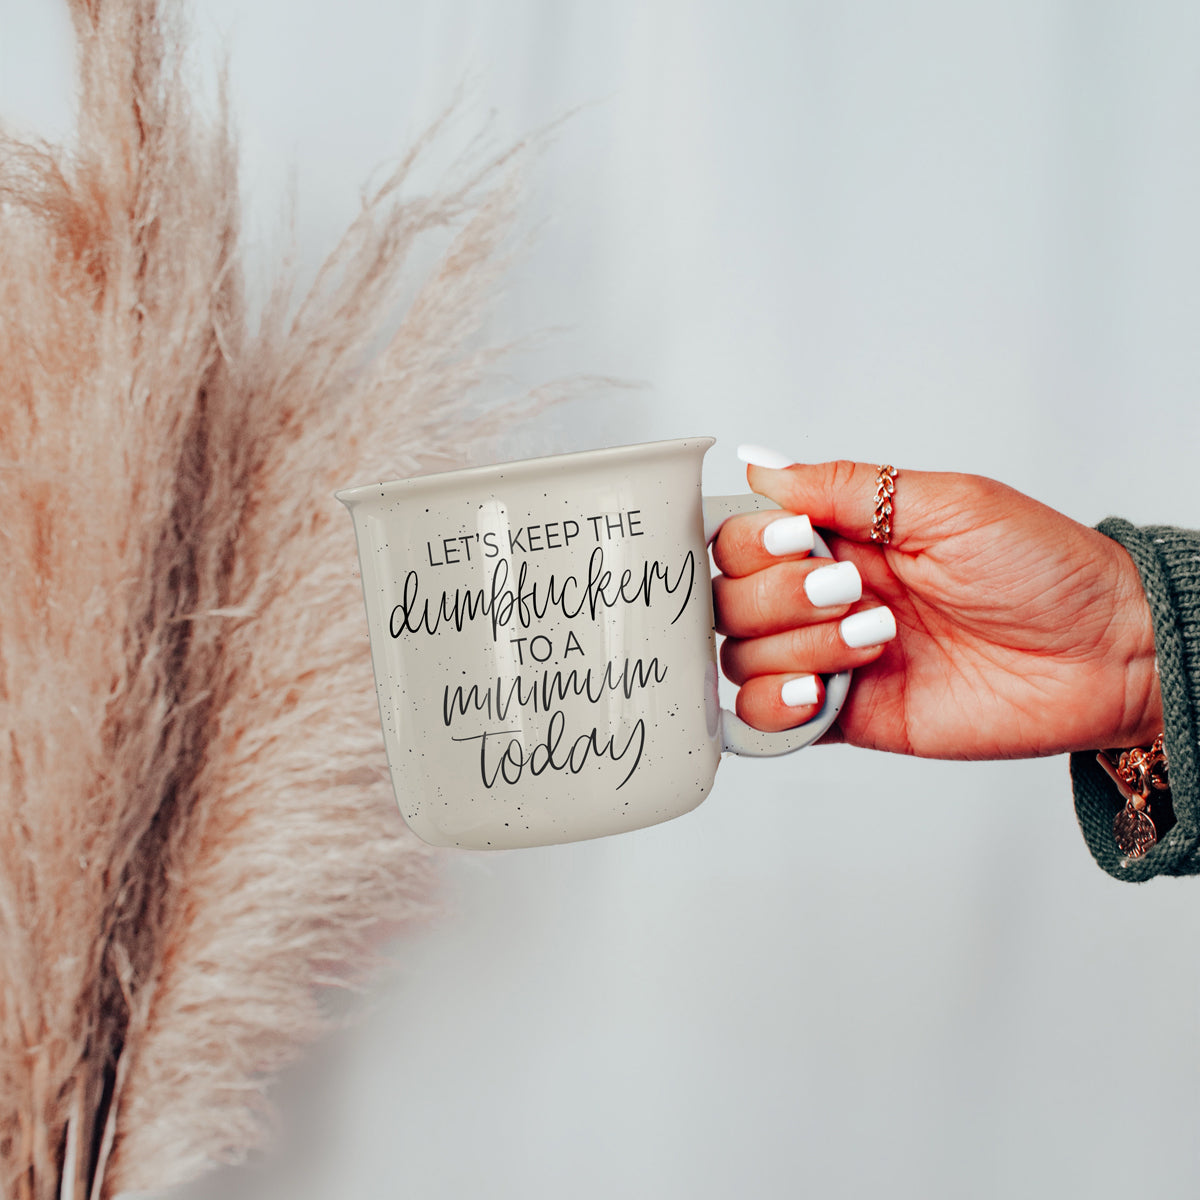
(199, 830)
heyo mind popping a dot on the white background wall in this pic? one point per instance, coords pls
(945, 235)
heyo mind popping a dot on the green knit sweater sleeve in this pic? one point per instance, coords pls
(1168, 561)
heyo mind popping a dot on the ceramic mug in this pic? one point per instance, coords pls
(542, 640)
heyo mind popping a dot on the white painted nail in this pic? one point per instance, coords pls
(788, 535)
(871, 627)
(800, 691)
(760, 456)
(831, 586)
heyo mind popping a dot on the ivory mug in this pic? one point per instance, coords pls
(542, 642)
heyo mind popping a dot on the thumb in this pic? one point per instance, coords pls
(843, 497)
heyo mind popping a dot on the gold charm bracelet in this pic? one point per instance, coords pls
(1138, 773)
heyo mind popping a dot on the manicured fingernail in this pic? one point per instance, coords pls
(760, 456)
(788, 535)
(828, 587)
(800, 691)
(871, 627)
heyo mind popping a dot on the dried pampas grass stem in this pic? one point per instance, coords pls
(198, 831)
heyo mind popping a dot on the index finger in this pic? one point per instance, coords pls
(843, 496)
(750, 542)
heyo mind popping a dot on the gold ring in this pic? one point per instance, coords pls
(881, 522)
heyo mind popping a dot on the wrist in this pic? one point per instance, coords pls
(1141, 713)
(1165, 559)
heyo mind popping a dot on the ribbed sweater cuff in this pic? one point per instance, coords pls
(1168, 561)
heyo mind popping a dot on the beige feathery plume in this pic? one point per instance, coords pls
(198, 829)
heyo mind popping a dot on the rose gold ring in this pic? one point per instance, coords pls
(885, 490)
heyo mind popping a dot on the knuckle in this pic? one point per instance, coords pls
(740, 606)
(761, 601)
(732, 657)
(720, 586)
(986, 492)
(829, 637)
(746, 707)
(735, 545)
(973, 495)
(799, 648)
(842, 474)
(841, 478)
(721, 547)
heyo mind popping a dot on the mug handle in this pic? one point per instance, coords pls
(737, 737)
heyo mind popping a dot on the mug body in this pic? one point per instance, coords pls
(542, 641)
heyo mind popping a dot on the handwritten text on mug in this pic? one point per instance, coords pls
(509, 599)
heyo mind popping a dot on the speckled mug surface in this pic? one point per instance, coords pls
(542, 640)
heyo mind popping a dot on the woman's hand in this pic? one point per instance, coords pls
(1019, 632)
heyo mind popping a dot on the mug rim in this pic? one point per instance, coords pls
(516, 468)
